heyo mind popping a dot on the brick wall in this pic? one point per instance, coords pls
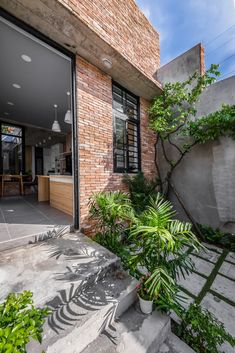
(122, 25)
(96, 136)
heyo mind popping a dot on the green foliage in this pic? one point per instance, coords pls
(211, 127)
(177, 102)
(140, 189)
(113, 214)
(202, 331)
(20, 322)
(152, 241)
(210, 234)
(159, 247)
(216, 236)
(172, 115)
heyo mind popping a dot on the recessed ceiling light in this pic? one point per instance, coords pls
(6, 113)
(10, 103)
(26, 58)
(107, 62)
(16, 85)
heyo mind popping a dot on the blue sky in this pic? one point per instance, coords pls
(184, 23)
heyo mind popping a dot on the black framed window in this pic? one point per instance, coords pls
(126, 117)
(11, 149)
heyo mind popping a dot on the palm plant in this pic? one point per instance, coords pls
(160, 242)
(113, 215)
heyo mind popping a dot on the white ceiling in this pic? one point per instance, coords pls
(44, 81)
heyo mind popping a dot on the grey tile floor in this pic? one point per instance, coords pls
(23, 217)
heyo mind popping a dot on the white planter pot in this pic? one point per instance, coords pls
(146, 306)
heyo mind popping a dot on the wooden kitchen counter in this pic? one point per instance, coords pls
(61, 193)
(43, 188)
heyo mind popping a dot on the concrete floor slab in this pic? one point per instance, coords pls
(23, 218)
(225, 287)
(202, 266)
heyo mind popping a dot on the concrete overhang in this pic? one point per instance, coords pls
(61, 24)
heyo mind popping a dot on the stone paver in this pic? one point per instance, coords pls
(208, 255)
(193, 283)
(213, 247)
(225, 287)
(202, 266)
(231, 257)
(205, 262)
(228, 270)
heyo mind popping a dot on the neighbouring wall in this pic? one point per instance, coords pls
(95, 131)
(206, 177)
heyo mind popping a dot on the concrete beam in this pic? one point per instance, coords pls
(60, 24)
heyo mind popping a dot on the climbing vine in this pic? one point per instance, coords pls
(172, 118)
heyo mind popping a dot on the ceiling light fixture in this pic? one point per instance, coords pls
(26, 58)
(56, 125)
(68, 117)
(107, 63)
(15, 85)
(10, 103)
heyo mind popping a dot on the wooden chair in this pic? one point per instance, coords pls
(30, 184)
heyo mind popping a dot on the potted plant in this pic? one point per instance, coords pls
(145, 298)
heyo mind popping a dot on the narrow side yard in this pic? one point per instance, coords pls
(212, 284)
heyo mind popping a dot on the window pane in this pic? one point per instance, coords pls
(11, 154)
(126, 125)
(11, 130)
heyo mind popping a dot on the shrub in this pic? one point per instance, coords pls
(113, 214)
(20, 322)
(202, 331)
(217, 236)
(140, 189)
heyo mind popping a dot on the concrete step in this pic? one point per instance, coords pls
(133, 333)
(80, 281)
(82, 313)
(175, 345)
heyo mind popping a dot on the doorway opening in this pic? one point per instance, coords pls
(36, 137)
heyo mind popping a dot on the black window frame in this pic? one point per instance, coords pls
(133, 121)
(2, 122)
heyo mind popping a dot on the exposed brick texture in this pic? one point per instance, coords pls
(122, 25)
(96, 136)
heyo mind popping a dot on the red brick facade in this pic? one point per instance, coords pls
(95, 127)
(124, 27)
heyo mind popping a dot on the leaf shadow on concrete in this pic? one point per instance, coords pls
(84, 268)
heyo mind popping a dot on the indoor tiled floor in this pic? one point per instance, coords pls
(23, 217)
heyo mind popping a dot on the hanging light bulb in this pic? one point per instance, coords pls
(56, 125)
(68, 117)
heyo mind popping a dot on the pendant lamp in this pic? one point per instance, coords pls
(56, 125)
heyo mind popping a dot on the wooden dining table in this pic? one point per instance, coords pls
(12, 178)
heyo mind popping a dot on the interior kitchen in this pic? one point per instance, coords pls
(36, 181)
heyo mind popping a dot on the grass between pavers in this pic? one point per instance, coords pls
(211, 277)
